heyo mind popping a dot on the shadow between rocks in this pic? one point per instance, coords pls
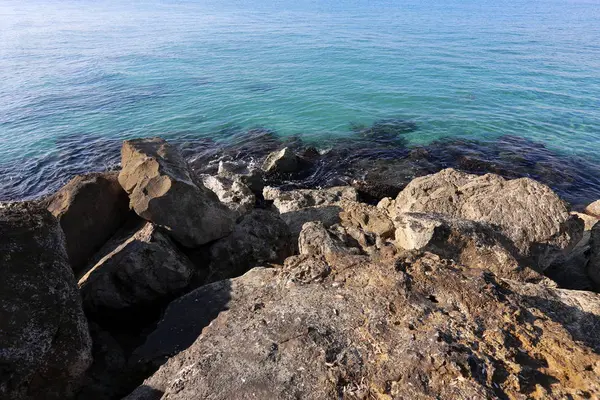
(180, 326)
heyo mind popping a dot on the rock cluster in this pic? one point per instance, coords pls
(216, 286)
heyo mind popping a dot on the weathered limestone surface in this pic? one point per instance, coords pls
(527, 212)
(45, 346)
(90, 209)
(162, 191)
(234, 194)
(473, 244)
(415, 327)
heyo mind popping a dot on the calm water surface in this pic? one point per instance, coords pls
(76, 77)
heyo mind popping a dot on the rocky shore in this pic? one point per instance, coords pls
(165, 280)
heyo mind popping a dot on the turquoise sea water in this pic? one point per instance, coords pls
(76, 76)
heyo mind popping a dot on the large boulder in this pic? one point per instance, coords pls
(90, 209)
(234, 194)
(527, 212)
(134, 273)
(162, 191)
(473, 244)
(417, 328)
(244, 173)
(593, 209)
(260, 237)
(45, 346)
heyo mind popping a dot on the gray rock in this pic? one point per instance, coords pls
(529, 213)
(139, 271)
(45, 346)
(316, 240)
(162, 191)
(235, 195)
(90, 209)
(242, 172)
(294, 200)
(281, 161)
(260, 237)
(472, 244)
(418, 327)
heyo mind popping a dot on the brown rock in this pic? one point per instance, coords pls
(527, 212)
(419, 328)
(472, 244)
(45, 346)
(368, 218)
(234, 194)
(90, 209)
(593, 209)
(162, 191)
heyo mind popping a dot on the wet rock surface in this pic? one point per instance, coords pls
(45, 347)
(90, 209)
(234, 194)
(161, 190)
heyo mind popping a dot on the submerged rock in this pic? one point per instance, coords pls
(419, 327)
(90, 209)
(162, 191)
(527, 212)
(134, 274)
(45, 346)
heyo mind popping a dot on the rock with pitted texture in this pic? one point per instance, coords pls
(162, 191)
(294, 200)
(368, 218)
(527, 212)
(45, 346)
(90, 209)
(414, 327)
(242, 172)
(315, 239)
(234, 194)
(260, 237)
(134, 273)
(473, 244)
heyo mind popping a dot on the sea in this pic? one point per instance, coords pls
(511, 87)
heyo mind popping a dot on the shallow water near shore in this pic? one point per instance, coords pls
(484, 86)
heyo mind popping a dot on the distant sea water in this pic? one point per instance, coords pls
(79, 76)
